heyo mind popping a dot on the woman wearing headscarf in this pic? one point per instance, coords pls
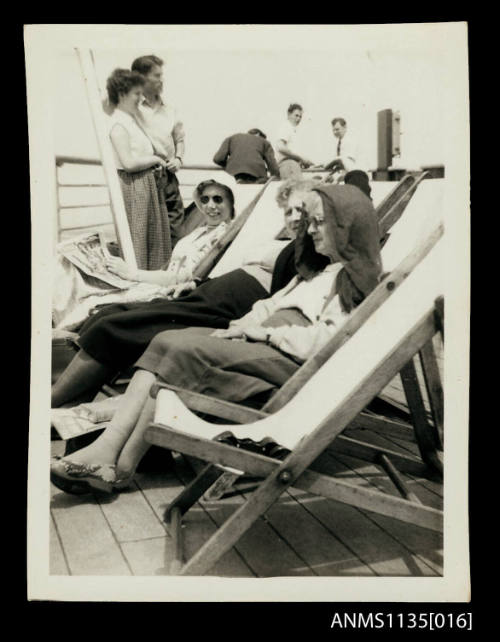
(116, 336)
(338, 265)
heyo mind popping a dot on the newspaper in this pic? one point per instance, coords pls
(89, 254)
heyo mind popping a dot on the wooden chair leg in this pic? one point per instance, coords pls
(434, 388)
(426, 436)
(194, 490)
(176, 533)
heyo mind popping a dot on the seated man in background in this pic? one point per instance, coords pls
(248, 157)
(289, 161)
(346, 150)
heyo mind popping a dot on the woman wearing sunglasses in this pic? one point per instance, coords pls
(216, 202)
(114, 337)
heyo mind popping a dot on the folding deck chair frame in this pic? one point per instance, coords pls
(295, 468)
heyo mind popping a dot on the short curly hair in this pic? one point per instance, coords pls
(121, 82)
(293, 107)
(292, 185)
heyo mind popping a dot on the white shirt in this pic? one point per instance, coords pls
(140, 145)
(348, 151)
(163, 127)
(288, 133)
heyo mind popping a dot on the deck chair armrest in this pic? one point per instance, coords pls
(210, 405)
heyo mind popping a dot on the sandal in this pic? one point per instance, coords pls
(77, 479)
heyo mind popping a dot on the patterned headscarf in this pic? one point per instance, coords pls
(352, 225)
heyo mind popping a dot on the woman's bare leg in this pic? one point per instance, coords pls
(136, 447)
(81, 375)
(107, 447)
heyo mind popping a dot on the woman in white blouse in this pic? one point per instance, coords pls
(338, 264)
(136, 163)
(216, 202)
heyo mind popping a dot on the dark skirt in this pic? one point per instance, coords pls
(118, 334)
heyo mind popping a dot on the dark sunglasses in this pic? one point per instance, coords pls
(216, 199)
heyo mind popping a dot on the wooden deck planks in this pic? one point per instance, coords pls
(379, 551)
(160, 490)
(434, 489)
(89, 544)
(57, 561)
(131, 517)
(324, 553)
(301, 534)
(420, 548)
(146, 556)
(265, 552)
(425, 544)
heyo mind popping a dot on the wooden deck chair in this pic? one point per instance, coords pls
(310, 421)
(410, 227)
(392, 206)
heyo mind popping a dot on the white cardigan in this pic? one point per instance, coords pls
(310, 298)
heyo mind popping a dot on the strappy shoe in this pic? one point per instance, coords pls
(122, 483)
(77, 479)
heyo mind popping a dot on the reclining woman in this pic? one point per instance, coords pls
(74, 298)
(216, 201)
(115, 337)
(338, 266)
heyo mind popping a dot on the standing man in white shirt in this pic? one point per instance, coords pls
(346, 149)
(289, 161)
(162, 125)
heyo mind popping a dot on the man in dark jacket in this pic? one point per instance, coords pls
(247, 157)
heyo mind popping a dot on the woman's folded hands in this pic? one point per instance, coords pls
(243, 332)
(175, 290)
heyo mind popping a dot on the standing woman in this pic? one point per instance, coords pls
(136, 163)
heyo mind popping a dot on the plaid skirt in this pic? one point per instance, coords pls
(147, 218)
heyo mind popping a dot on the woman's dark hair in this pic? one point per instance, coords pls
(339, 120)
(121, 82)
(144, 64)
(359, 179)
(211, 183)
(293, 107)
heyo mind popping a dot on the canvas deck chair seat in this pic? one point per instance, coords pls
(310, 412)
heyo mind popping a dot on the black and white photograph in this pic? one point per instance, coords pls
(250, 312)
